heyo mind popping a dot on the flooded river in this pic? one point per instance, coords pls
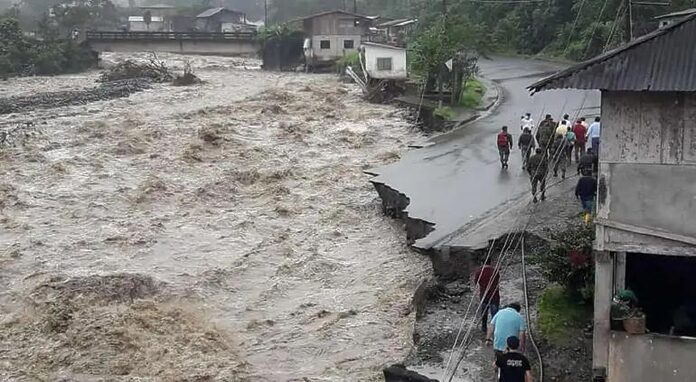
(209, 233)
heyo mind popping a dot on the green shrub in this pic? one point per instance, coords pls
(445, 113)
(568, 262)
(472, 94)
(558, 311)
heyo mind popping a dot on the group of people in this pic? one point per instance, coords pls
(506, 333)
(554, 146)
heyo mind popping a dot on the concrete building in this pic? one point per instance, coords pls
(222, 20)
(385, 62)
(646, 216)
(396, 31)
(138, 24)
(330, 35)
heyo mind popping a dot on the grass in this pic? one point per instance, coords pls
(445, 113)
(472, 94)
(559, 313)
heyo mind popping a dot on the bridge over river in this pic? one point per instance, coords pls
(225, 44)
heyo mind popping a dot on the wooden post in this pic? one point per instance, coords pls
(619, 271)
(602, 310)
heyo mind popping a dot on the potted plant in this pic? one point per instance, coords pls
(625, 314)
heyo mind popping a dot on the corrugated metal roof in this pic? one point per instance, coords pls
(664, 60)
(332, 12)
(685, 12)
(214, 11)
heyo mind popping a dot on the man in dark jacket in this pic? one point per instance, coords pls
(537, 167)
(558, 155)
(585, 191)
(526, 144)
(586, 163)
(545, 133)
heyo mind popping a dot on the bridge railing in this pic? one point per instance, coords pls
(198, 36)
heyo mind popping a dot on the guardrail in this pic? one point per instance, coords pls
(197, 36)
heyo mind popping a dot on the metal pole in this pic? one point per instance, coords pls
(355, 6)
(630, 20)
(265, 13)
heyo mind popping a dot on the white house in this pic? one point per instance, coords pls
(385, 62)
(137, 24)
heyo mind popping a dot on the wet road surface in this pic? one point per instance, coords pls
(457, 178)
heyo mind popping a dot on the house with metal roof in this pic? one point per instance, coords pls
(646, 204)
(222, 20)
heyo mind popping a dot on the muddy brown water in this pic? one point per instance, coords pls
(217, 232)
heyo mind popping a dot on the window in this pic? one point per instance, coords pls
(348, 44)
(384, 63)
(325, 44)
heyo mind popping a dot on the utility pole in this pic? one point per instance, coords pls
(265, 13)
(355, 6)
(629, 21)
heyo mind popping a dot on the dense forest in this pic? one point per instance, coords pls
(575, 29)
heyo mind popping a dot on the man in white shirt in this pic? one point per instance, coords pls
(593, 134)
(527, 121)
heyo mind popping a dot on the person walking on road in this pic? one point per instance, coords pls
(538, 167)
(562, 128)
(526, 145)
(586, 162)
(527, 122)
(586, 191)
(504, 142)
(580, 139)
(508, 322)
(512, 365)
(593, 133)
(570, 143)
(545, 132)
(559, 156)
(488, 281)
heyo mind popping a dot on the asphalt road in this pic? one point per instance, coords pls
(456, 179)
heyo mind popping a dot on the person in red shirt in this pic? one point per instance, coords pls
(580, 139)
(488, 281)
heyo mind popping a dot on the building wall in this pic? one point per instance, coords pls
(335, 24)
(651, 357)
(337, 49)
(647, 169)
(372, 53)
(140, 26)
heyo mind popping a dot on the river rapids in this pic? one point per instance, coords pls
(218, 232)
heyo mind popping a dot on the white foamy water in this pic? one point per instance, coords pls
(244, 196)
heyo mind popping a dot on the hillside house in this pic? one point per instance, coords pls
(385, 62)
(646, 216)
(222, 20)
(138, 24)
(331, 35)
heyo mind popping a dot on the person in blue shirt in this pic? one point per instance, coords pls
(508, 322)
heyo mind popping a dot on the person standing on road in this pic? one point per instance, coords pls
(526, 145)
(504, 142)
(508, 322)
(586, 191)
(488, 280)
(593, 133)
(580, 139)
(512, 365)
(545, 132)
(538, 167)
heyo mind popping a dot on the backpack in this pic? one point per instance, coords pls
(502, 139)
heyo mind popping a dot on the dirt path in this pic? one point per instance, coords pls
(219, 232)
